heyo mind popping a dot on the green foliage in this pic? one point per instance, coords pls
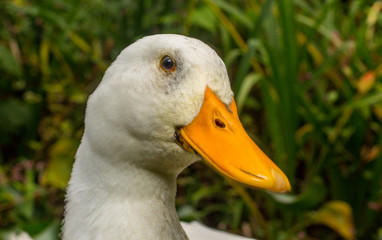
(307, 77)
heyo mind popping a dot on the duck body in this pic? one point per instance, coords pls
(123, 182)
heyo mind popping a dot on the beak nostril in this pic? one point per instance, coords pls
(219, 123)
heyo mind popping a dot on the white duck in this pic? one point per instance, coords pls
(163, 103)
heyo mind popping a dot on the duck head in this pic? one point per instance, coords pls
(164, 102)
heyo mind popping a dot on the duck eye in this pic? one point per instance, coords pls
(167, 64)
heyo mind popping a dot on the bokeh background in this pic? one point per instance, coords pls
(307, 77)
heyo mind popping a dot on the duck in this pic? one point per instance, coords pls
(163, 104)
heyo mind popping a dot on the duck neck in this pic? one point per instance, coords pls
(105, 201)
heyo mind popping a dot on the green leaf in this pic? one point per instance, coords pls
(312, 196)
(204, 192)
(14, 115)
(249, 81)
(57, 173)
(231, 56)
(235, 13)
(264, 14)
(188, 213)
(8, 62)
(245, 64)
(366, 101)
(204, 18)
(51, 232)
(338, 216)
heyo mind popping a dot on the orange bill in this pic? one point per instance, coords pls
(217, 135)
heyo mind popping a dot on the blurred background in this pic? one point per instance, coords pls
(307, 77)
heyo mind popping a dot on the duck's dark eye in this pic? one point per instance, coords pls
(167, 64)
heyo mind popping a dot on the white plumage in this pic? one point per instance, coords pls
(198, 231)
(123, 183)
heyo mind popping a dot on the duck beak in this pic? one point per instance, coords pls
(217, 135)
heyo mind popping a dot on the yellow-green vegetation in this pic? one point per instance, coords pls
(307, 77)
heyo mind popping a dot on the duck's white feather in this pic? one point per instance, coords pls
(197, 231)
(123, 183)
